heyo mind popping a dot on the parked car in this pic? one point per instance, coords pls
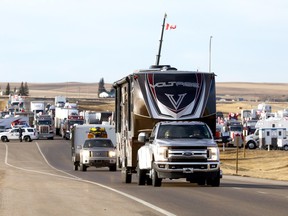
(28, 134)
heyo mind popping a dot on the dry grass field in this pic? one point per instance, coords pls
(256, 163)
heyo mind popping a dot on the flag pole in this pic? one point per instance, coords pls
(161, 39)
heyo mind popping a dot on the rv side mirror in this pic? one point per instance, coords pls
(142, 137)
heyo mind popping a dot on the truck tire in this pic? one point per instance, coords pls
(148, 181)
(113, 168)
(214, 182)
(251, 145)
(126, 176)
(75, 166)
(141, 176)
(83, 167)
(201, 181)
(285, 147)
(4, 139)
(156, 182)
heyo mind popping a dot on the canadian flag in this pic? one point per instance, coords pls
(170, 27)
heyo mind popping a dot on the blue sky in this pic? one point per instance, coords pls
(86, 40)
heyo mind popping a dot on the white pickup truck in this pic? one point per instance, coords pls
(98, 152)
(179, 150)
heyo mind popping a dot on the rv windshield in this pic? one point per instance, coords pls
(184, 132)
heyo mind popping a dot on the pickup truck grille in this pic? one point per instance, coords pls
(187, 155)
(99, 153)
(194, 166)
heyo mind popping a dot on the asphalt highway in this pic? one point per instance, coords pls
(37, 178)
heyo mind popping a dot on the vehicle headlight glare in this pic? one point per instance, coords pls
(85, 154)
(213, 153)
(112, 153)
(162, 153)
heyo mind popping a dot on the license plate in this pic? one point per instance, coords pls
(188, 170)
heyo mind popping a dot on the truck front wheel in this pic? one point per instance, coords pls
(251, 145)
(113, 168)
(83, 167)
(156, 182)
(141, 174)
(75, 166)
(214, 181)
(201, 181)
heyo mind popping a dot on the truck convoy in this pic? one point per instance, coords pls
(163, 98)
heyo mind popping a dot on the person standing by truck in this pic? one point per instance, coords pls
(20, 134)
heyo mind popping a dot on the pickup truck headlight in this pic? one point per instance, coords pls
(112, 154)
(213, 154)
(162, 154)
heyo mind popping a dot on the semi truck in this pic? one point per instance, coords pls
(45, 126)
(37, 107)
(159, 94)
(62, 113)
(16, 103)
(60, 101)
(68, 124)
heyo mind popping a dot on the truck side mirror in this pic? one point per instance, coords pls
(142, 137)
(79, 147)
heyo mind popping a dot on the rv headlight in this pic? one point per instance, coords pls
(213, 154)
(162, 153)
(112, 154)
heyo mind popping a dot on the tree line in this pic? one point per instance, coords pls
(23, 90)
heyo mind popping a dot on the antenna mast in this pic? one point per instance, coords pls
(161, 39)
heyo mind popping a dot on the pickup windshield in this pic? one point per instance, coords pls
(94, 143)
(184, 132)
